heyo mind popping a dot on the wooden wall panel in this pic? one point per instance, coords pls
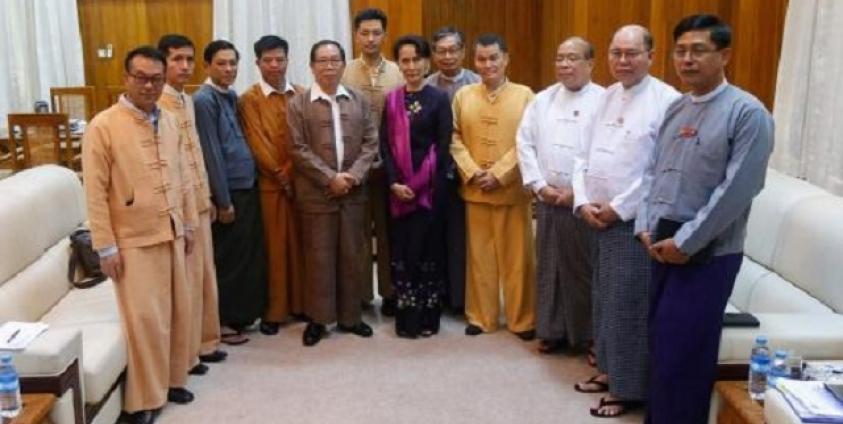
(126, 24)
(403, 17)
(533, 29)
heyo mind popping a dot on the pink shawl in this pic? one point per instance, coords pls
(421, 181)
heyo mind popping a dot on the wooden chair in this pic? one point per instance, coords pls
(76, 102)
(112, 93)
(39, 138)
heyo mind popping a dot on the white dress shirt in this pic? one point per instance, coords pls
(619, 139)
(316, 93)
(550, 132)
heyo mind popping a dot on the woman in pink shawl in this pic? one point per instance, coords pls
(415, 134)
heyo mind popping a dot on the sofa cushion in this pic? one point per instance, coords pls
(35, 219)
(814, 336)
(32, 292)
(94, 312)
(811, 249)
(770, 209)
(50, 353)
(749, 274)
(775, 295)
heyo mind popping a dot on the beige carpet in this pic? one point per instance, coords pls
(448, 378)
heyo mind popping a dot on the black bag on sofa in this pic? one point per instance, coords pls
(83, 256)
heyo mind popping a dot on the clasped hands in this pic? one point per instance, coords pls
(665, 251)
(557, 196)
(598, 215)
(403, 192)
(340, 185)
(486, 180)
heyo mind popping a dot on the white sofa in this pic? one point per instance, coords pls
(82, 356)
(791, 278)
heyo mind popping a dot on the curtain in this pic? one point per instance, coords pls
(42, 48)
(809, 95)
(300, 22)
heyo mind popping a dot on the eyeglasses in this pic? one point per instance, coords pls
(571, 58)
(629, 54)
(144, 80)
(443, 51)
(695, 52)
(326, 62)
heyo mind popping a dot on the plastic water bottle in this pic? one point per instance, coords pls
(10, 402)
(779, 369)
(759, 366)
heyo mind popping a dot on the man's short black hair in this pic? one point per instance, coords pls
(270, 42)
(490, 39)
(449, 31)
(173, 41)
(369, 14)
(214, 46)
(719, 31)
(417, 41)
(148, 52)
(325, 43)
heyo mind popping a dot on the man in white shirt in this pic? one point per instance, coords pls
(547, 140)
(607, 193)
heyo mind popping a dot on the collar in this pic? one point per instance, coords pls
(267, 89)
(455, 78)
(151, 117)
(216, 87)
(316, 93)
(711, 94)
(380, 66)
(637, 88)
(492, 95)
(170, 90)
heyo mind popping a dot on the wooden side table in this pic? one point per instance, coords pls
(738, 407)
(36, 408)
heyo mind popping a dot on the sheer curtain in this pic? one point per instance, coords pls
(42, 48)
(300, 22)
(809, 94)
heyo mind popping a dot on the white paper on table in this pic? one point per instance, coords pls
(16, 335)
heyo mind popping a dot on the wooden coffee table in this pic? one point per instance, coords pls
(36, 408)
(738, 407)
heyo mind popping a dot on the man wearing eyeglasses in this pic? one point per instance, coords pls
(263, 113)
(448, 54)
(140, 201)
(607, 191)
(547, 140)
(333, 143)
(375, 76)
(239, 252)
(709, 161)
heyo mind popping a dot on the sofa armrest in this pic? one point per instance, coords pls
(51, 364)
(50, 353)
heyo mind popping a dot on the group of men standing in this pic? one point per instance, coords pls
(212, 212)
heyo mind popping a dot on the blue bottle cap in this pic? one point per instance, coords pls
(761, 339)
(781, 353)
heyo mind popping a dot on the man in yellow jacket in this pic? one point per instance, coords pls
(498, 218)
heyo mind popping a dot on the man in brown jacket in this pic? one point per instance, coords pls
(334, 142)
(142, 214)
(263, 116)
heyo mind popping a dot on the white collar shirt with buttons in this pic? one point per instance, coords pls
(316, 93)
(618, 143)
(550, 132)
(268, 89)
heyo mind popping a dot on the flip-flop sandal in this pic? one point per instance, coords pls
(626, 406)
(233, 339)
(601, 386)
